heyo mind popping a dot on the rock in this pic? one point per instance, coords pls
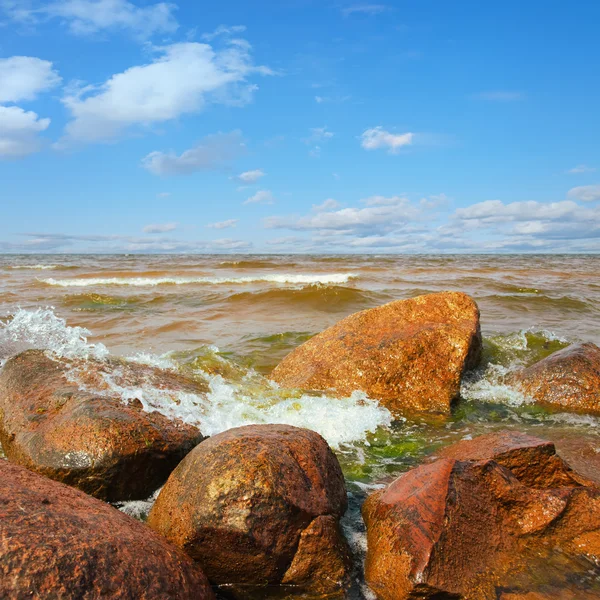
(462, 529)
(582, 453)
(531, 460)
(92, 441)
(568, 379)
(56, 542)
(258, 507)
(408, 354)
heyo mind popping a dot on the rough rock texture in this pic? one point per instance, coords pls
(582, 453)
(461, 529)
(259, 506)
(409, 354)
(568, 379)
(531, 460)
(91, 441)
(56, 542)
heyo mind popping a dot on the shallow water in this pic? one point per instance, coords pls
(230, 319)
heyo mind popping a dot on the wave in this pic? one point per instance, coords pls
(248, 399)
(318, 297)
(92, 301)
(324, 279)
(35, 267)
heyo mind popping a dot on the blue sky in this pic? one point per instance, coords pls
(299, 126)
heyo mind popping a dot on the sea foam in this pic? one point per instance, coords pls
(327, 278)
(227, 404)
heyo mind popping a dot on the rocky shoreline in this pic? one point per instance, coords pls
(256, 510)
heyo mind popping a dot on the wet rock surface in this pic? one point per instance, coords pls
(93, 441)
(408, 354)
(258, 507)
(568, 379)
(465, 525)
(57, 542)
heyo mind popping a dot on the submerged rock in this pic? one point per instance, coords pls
(259, 507)
(91, 441)
(409, 354)
(463, 528)
(59, 543)
(568, 379)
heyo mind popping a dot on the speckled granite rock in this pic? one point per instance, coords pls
(58, 543)
(409, 354)
(108, 449)
(258, 507)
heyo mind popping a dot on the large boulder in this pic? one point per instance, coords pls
(259, 507)
(408, 354)
(93, 441)
(568, 379)
(463, 529)
(57, 542)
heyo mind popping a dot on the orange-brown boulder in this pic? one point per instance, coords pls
(463, 529)
(408, 354)
(57, 542)
(259, 507)
(531, 460)
(92, 441)
(568, 379)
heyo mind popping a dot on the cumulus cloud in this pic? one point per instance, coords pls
(364, 9)
(581, 169)
(161, 228)
(224, 30)
(250, 176)
(211, 153)
(329, 204)
(377, 138)
(261, 197)
(19, 132)
(224, 224)
(84, 17)
(182, 79)
(586, 193)
(24, 77)
(378, 212)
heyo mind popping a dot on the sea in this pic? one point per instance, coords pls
(231, 318)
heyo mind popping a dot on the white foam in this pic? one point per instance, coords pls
(488, 386)
(42, 329)
(324, 279)
(36, 267)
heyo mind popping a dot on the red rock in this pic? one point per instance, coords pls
(531, 460)
(462, 529)
(409, 354)
(91, 441)
(56, 542)
(568, 379)
(259, 506)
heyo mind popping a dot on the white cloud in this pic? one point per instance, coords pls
(495, 211)
(500, 96)
(224, 30)
(84, 17)
(223, 224)
(182, 79)
(377, 137)
(261, 197)
(211, 153)
(586, 193)
(364, 9)
(379, 213)
(161, 227)
(19, 132)
(251, 176)
(329, 204)
(581, 169)
(319, 134)
(24, 77)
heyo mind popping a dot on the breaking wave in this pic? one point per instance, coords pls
(330, 278)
